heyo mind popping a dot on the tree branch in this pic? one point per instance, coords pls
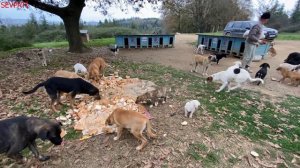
(46, 7)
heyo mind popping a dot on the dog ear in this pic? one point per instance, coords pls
(209, 79)
(43, 134)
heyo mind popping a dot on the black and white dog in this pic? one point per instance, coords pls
(293, 58)
(217, 57)
(114, 49)
(262, 72)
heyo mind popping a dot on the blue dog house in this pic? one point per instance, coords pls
(145, 41)
(229, 45)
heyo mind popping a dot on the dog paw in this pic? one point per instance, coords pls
(227, 91)
(139, 148)
(218, 91)
(116, 138)
(43, 158)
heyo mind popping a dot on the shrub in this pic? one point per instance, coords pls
(9, 42)
(106, 32)
(50, 35)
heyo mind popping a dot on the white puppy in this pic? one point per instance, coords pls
(191, 107)
(201, 48)
(79, 68)
(237, 75)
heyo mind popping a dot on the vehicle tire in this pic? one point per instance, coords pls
(228, 34)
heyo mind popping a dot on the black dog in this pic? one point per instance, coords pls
(218, 57)
(262, 72)
(56, 85)
(293, 58)
(114, 49)
(21, 132)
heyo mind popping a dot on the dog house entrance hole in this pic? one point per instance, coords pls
(209, 43)
(138, 42)
(171, 41)
(242, 48)
(150, 42)
(218, 45)
(229, 46)
(126, 42)
(160, 41)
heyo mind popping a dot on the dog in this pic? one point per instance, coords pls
(114, 49)
(201, 48)
(20, 132)
(191, 107)
(237, 75)
(96, 68)
(272, 50)
(217, 57)
(55, 86)
(294, 76)
(262, 72)
(42, 56)
(202, 60)
(293, 58)
(132, 120)
(66, 74)
(79, 68)
(288, 66)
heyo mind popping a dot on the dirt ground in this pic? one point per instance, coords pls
(182, 55)
(171, 147)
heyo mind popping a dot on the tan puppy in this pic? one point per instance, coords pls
(96, 68)
(202, 60)
(293, 75)
(66, 74)
(132, 120)
(272, 50)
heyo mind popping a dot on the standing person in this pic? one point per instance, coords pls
(253, 39)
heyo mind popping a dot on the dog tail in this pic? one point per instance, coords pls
(35, 88)
(149, 130)
(256, 80)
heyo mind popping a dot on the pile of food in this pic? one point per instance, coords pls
(116, 92)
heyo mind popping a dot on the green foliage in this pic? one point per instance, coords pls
(105, 32)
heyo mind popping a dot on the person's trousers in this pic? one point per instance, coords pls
(249, 54)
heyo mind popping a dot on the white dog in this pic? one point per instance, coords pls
(79, 68)
(237, 75)
(201, 48)
(191, 107)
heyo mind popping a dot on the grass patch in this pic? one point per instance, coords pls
(91, 43)
(247, 112)
(72, 134)
(288, 36)
(200, 152)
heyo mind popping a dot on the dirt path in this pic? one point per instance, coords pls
(181, 57)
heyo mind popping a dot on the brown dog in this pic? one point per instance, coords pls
(202, 60)
(66, 74)
(96, 68)
(132, 120)
(293, 75)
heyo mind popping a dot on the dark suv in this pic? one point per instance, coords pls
(238, 28)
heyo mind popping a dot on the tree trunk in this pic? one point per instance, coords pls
(70, 15)
(73, 35)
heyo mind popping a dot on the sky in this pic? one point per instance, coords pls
(89, 14)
